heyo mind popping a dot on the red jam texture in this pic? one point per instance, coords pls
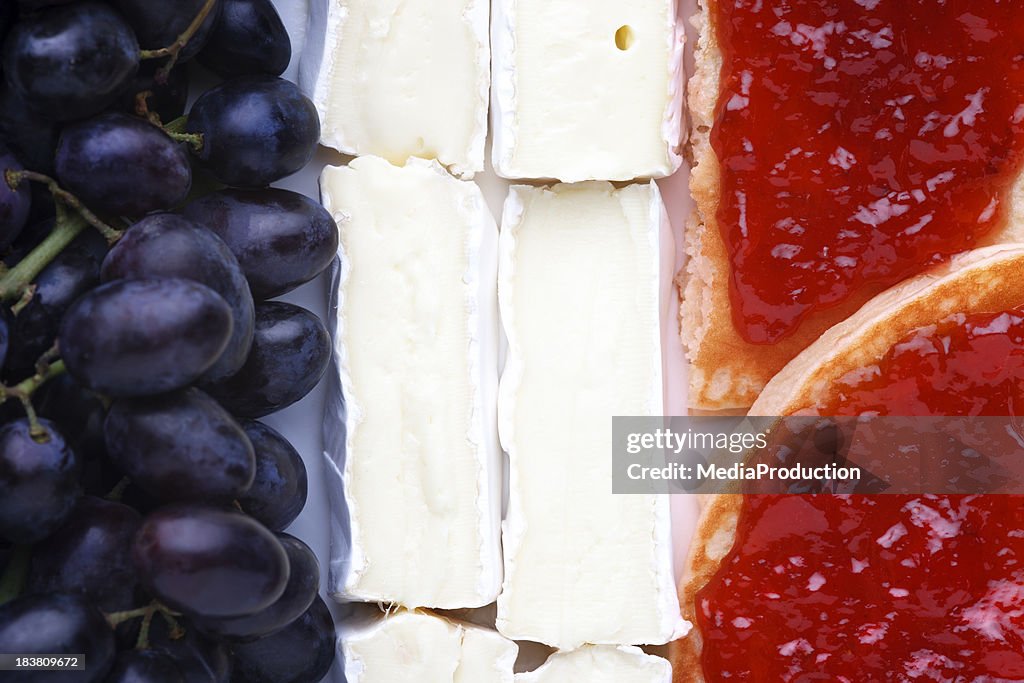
(859, 142)
(966, 365)
(886, 587)
(869, 588)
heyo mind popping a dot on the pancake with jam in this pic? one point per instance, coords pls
(839, 148)
(885, 587)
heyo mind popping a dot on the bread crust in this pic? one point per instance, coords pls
(986, 279)
(726, 371)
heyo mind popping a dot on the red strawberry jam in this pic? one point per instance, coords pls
(859, 142)
(885, 587)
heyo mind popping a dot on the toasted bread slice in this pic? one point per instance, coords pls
(727, 371)
(987, 279)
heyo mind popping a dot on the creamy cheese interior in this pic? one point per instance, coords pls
(586, 90)
(411, 647)
(601, 664)
(416, 349)
(579, 284)
(406, 79)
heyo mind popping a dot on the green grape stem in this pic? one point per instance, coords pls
(22, 391)
(12, 581)
(174, 49)
(18, 279)
(15, 178)
(146, 614)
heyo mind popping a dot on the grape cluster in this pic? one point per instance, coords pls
(142, 506)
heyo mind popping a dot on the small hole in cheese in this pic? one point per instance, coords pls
(624, 37)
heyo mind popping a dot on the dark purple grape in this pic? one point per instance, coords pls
(15, 201)
(290, 353)
(70, 62)
(303, 583)
(167, 245)
(180, 446)
(210, 562)
(200, 660)
(278, 493)
(167, 100)
(38, 481)
(282, 239)
(72, 273)
(145, 666)
(56, 624)
(32, 140)
(78, 413)
(122, 164)
(250, 38)
(143, 337)
(90, 555)
(256, 129)
(158, 24)
(302, 652)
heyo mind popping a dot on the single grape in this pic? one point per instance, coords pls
(145, 666)
(302, 652)
(250, 38)
(303, 583)
(282, 239)
(199, 659)
(180, 446)
(15, 201)
(167, 245)
(290, 353)
(256, 129)
(38, 481)
(71, 274)
(167, 100)
(32, 140)
(158, 24)
(56, 624)
(210, 562)
(72, 61)
(90, 555)
(278, 493)
(122, 164)
(143, 337)
(77, 412)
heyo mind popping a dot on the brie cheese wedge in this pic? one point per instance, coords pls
(580, 283)
(601, 664)
(417, 647)
(412, 457)
(405, 79)
(587, 90)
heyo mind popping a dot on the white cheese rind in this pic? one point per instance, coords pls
(569, 104)
(414, 469)
(580, 287)
(403, 79)
(416, 647)
(601, 664)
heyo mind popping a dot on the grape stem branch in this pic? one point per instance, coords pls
(146, 614)
(18, 279)
(15, 178)
(45, 371)
(174, 49)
